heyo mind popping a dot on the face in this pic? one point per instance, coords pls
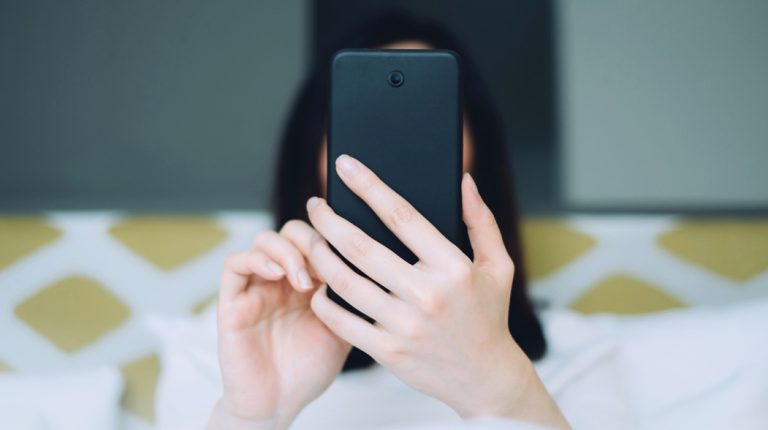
(468, 143)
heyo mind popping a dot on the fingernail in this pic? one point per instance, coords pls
(304, 282)
(312, 202)
(275, 268)
(472, 184)
(347, 165)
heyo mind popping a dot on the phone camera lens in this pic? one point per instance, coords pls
(395, 78)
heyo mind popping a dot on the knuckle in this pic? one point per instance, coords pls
(366, 182)
(432, 304)
(413, 331)
(318, 260)
(315, 241)
(262, 237)
(230, 259)
(402, 214)
(357, 245)
(340, 282)
(460, 273)
(291, 226)
(314, 252)
(392, 352)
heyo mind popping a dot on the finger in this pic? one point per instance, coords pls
(418, 234)
(288, 256)
(484, 234)
(356, 290)
(299, 233)
(372, 258)
(240, 266)
(345, 324)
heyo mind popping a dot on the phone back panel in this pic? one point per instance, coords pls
(409, 135)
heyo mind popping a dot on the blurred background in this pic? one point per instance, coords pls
(138, 141)
(157, 106)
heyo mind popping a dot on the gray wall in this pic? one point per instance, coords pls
(144, 104)
(664, 103)
(176, 106)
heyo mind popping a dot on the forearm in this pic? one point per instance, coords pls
(223, 418)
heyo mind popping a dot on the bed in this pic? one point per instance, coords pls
(653, 322)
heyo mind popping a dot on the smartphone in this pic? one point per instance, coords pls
(400, 113)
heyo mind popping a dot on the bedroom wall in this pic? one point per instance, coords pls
(148, 106)
(144, 104)
(664, 104)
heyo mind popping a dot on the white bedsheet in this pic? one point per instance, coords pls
(704, 368)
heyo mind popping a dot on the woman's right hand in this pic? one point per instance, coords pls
(275, 355)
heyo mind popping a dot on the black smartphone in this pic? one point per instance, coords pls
(400, 113)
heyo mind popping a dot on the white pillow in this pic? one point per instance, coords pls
(81, 400)
(738, 402)
(583, 372)
(662, 369)
(676, 361)
(190, 381)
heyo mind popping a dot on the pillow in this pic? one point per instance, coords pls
(190, 382)
(82, 400)
(582, 371)
(668, 368)
(738, 402)
(675, 361)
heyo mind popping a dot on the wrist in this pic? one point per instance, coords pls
(505, 379)
(224, 416)
(512, 389)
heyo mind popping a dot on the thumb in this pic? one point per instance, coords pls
(484, 234)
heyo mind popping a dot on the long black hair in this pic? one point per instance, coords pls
(297, 175)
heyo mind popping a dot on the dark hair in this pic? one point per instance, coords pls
(297, 176)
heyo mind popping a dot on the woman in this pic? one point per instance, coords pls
(458, 325)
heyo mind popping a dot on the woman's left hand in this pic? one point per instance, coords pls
(443, 327)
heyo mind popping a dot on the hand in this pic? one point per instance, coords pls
(275, 354)
(443, 328)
